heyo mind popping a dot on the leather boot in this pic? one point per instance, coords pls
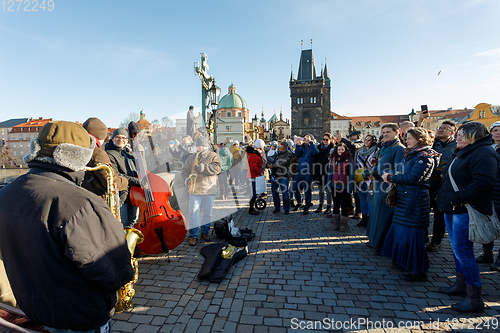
(457, 289)
(473, 302)
(252, 210)
(328, 209)
(487, 256)
(335, 222)
(363, 222)
(320, 209)
(344, 223)
(496, 265)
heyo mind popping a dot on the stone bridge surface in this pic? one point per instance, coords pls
(300, 274)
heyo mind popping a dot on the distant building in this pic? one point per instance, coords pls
(310, 98)
(232, 114)
(486, 114)
(142, 122)
(21, 135)
(6, 127)
(279, 129)
(339, 124)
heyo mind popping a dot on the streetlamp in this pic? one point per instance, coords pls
(209, 94)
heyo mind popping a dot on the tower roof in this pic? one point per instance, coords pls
(325, 73)
(306, 66)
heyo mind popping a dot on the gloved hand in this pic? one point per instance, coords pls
(200, 167)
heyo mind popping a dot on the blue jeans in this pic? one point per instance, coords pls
(129, 215)
(463, 248)
(323, 189)
(365, 199)
(204, 203)
(280, 184)
(104, 328)
(303, 182)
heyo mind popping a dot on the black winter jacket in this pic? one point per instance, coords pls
(65, 253)
(475, 173)
(322, 161)
(121, 160)
(412, 191)
(446, 150)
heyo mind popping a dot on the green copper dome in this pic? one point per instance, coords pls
(232, 100)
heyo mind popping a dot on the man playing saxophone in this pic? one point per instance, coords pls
(65, 253)
(200, 176)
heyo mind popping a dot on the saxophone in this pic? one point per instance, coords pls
(132, 235)
(193, 174)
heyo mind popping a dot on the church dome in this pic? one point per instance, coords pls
(232, 100)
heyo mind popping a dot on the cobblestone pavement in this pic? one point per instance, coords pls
(300, 272)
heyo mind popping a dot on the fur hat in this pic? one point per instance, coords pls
(97, 128)
(120, 131)
(62, 143)
(202, 141)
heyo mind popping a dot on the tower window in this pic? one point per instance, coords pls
(228, 114)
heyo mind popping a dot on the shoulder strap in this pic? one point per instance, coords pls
(455, 187)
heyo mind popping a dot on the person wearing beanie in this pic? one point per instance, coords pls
(199, 174)
(122, 159)
(96, 181)
(65, 253)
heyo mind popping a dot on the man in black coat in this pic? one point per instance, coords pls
(445, 144)
(65, 253)
(123, 160)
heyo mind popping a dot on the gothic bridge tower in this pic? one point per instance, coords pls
(310, 98)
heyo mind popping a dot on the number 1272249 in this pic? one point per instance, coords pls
(27, 5)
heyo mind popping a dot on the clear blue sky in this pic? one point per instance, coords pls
(111, 58)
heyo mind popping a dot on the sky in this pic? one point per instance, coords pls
(111, 58)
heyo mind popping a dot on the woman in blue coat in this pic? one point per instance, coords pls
(405, 242)
(390, 155)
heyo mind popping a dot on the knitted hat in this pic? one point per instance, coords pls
(62, 143)
(120, 131)
(235, 142)
(494, 125)
(96, 127)
(259, 143)
(202, 141)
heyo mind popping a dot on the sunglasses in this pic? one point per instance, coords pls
(326, 139)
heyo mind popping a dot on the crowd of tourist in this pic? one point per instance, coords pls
(355, 177)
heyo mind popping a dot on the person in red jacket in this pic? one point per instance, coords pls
(254, 170)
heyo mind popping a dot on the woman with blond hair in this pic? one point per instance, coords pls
(405, 241)
(474, 170)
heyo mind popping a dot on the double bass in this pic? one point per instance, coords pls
(163, 227)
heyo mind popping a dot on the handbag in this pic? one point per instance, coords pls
(260, 185)
(391, 195)
(483, 228)
(358, 175)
